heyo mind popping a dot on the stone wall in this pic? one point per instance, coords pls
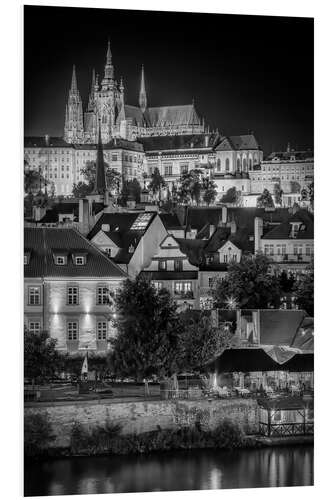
(144, 416)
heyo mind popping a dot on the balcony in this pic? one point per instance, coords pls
(182, 295)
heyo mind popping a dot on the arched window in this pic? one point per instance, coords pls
(218, 163)
(238, 164)
(227, 165)
(250, 163)
(244, 164)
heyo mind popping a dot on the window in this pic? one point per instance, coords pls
(225, 258)
(238, 164)
(308, 250)
(269, 249)
(168, 170)
(72, 330)
(183, 287)
(60, 260)
(184, 168)
(162, 265)
(178, 265)
(102, 329)
(211, 282)
(34, 326)
(34, 295)
(218, 165)
(72, 295)
(114, 157)
(80, 261)
(157, 284)
(103, 295)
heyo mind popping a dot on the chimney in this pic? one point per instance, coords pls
(258, 232)
(84, 210)
(233, 227)
(47, 139)
(211, 230)
(206, 141)
(224, 214)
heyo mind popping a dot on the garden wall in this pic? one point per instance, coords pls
(143, 416)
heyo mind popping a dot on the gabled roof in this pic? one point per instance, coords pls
(52, 214)
(43, 243)
(170, 221)
(238, 142)
(173, 115)
(193, 248)
(287, 155)
(122, 231)
(304, 338)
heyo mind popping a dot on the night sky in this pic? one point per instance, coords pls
(245, 73)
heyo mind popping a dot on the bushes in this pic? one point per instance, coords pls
(107, 439)
(37, 434)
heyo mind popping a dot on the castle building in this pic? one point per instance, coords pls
(106, 103)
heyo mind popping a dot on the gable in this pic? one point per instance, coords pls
(101, 239)
(229, 245)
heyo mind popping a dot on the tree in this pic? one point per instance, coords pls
(41, 360)
(33, 181)
(209, 189)
(148, 327)
(278, 194)
(112, 179)
(82, 189)
(190, 186)
(295, 187)
(157, 183)
(304, 194)
(231, 196)
(200, 341)
(248, 285)
(130, 189)
(304, 291)
(265, 200)
(311, 194)
(286, 282)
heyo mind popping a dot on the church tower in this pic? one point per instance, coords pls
(73, 131)
(143, 95)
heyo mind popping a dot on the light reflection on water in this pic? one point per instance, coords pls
(183, 470)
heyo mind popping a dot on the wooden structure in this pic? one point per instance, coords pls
(285, 417)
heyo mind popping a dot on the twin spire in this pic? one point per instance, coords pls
(74, 80)
(143, 95)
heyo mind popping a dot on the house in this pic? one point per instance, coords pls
(68, 289)
(289, 244)
(130, 239)
(170, 268)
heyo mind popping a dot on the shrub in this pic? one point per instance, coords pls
(228, 435)
(98, 440)
(37, 434)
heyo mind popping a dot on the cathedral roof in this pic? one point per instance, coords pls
(173, 115)
(238, 142)
(176, 142)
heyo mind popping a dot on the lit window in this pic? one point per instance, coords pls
(34, 295)
(178, 265)
(34, 326)
(162, 265)
(103, 295)
(60, 260)
(102, 329)
(72, 330)
(80, 261)
(141, 222)
(157, 284)
(73, 295)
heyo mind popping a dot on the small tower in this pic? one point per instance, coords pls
(73, 132)
(100, 183)
(107, 81)
(143, 95)
(91, 101)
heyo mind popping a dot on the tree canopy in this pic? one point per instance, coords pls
(277, 194)
(189, 188)
(304, 290)
(231, 196)
(112, 179)
(148, 331)
(248, 285)
(209, 190)
(157, 183)
(41, 359)
(265, 200)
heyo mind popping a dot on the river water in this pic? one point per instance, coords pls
(177, 470)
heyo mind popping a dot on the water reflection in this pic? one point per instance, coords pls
(188, 470)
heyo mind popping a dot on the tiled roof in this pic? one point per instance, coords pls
(171, 275)
(193, 248)
(279, 327)
(59, 142)
(283, 230)
(176, 142)
(170, 221)
(121, 233)
(40, 142)
(304, 338)
(287, 155)
(173, 115)
(238, 142)
(52, 214)
(43, 242)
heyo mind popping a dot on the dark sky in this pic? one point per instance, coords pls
(245, 72)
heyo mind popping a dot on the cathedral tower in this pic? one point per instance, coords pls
(73, 131)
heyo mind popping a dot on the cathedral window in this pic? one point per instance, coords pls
(218, 164)
(227, 165)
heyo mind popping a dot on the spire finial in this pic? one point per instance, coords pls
(108, 54)
(74, 81)
(143, 95)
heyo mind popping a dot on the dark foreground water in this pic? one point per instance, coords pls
(181, 470)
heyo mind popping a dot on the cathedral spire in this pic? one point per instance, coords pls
(100, 184)
(74, 81)
(143, 95)
(108, 70)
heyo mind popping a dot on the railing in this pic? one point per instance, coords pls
(286, 429)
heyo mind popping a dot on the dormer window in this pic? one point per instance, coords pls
(80, 261)
(61, 260)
